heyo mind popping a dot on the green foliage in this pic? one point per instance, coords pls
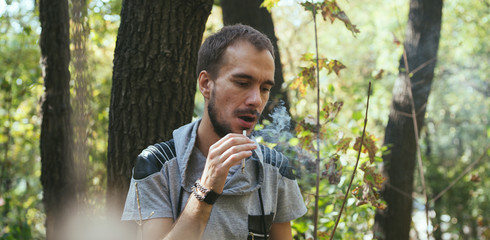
(457, 129)
(318, 135)
(457, 122)
(338, 159)
(307, 76)
(21, 215)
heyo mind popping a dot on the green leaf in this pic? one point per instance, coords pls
(27, 29)
(331, 11)
(269, 4)
(343, 144)
(293, 141)
(328, 209)
(357, 115)
(311, 7)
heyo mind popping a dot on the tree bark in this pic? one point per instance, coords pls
(250, 13)
(80, 96)
(421, 45)
(57, 169)
(154, 82)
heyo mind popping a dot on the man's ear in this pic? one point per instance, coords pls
(205, 84)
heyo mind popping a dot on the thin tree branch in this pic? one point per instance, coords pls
(405, 194)
(422, 65)
(421, 108)
(400, 191)
(313, 194)
(416, 131)
(317, 187)
(357, 163)
(140, 222)
(471, 166)
(408, 115)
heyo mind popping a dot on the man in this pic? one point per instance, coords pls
(193, 187)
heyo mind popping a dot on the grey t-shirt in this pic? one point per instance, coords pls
(237, 214)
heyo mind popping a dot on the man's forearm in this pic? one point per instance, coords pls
(192, 222)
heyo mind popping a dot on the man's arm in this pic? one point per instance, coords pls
(155, 228)
(222, 155)
(190, 225)
(281, 231)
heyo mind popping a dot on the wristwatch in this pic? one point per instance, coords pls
(203, 194)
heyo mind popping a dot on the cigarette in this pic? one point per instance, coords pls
(243, 160)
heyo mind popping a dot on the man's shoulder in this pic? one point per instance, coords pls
(278, 160)
(153, 158)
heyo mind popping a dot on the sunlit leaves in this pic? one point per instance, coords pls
(333, 170)
(332, 66)
(343, 144)
(368, 192)
(305, 132)
(269, 4)
(315, 130)
(330, 10)
(369, 146)
(306, 78)
(307, 75)
(330, 111)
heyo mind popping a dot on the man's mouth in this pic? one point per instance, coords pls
(247, 118)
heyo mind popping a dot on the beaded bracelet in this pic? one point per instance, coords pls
(196, 194)
(201, 188)
(203, 194)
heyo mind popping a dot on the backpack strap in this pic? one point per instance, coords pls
(152, 159)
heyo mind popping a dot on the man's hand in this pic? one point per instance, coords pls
(222, 155)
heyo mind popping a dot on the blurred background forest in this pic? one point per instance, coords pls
(454, 143)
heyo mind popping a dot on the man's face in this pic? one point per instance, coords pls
(241, 90)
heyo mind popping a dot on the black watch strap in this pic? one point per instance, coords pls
(211, 197)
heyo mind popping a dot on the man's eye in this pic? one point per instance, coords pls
(242, 84)
(266, 89)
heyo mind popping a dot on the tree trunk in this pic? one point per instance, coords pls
(250, 13)
(421, 44)
(154, 82)
(80, 96)
(57, 169)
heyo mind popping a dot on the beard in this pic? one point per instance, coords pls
(220, 128)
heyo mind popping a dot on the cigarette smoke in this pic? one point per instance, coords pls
(279, 129)
(279, 133)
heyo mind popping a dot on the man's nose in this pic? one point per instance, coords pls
(254, 98)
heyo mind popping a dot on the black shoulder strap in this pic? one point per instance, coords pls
(152, 159)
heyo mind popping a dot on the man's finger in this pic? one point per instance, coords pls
(226, 143)
(236, 153)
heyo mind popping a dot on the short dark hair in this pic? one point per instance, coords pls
(211, 51)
